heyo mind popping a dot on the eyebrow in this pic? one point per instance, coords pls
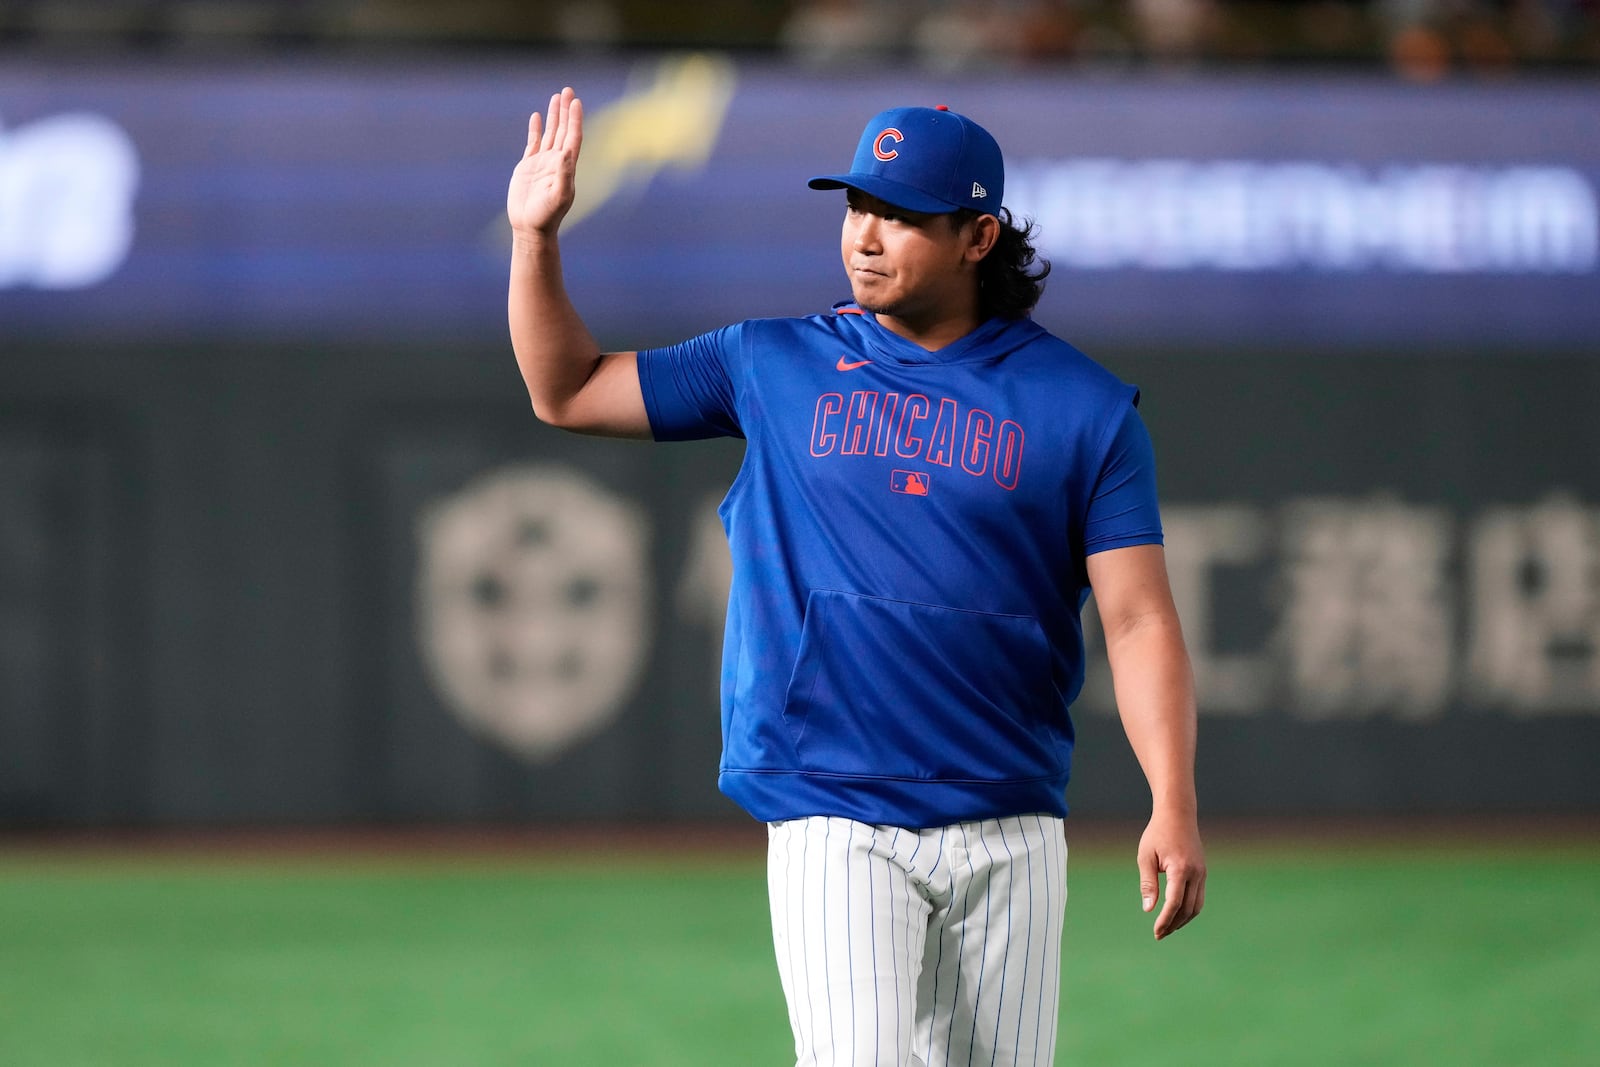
(873, 205)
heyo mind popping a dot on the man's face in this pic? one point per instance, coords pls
(902, 263)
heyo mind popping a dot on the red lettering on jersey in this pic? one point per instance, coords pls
(858, 423)
(869, 422)
(975, 443)
(1008, 455)
(942, 443)
(823, 440)
(885, 424)
(915, 411)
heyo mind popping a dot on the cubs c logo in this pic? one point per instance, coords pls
(890, 134)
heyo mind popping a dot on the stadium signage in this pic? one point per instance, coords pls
(1248, 215)
(67, 185)
(271, 205)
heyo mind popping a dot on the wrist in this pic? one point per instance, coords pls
(1176, 805)
(531, 242)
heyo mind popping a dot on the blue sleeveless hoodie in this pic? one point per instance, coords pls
(908, 531)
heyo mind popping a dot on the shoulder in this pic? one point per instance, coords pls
(823, 329)
(840, 317)
(1087, 377)
(737, 337)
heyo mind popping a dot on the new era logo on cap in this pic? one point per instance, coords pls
(925, 159)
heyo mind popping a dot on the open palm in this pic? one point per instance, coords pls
(542, 186)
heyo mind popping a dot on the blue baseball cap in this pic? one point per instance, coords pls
(925, 159)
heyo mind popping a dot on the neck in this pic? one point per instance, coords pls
(932, 336)
(935, 326)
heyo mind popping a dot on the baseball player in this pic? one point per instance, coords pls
(932, 485)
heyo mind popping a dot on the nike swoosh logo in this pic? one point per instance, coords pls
(842, 365)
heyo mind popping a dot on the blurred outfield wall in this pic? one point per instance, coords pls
(279, 539)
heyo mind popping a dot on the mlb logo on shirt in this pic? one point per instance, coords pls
(912, 483)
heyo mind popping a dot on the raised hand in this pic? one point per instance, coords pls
(542, 186)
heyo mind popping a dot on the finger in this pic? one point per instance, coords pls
(1194, 897)
(563, 133)
(575, 128)
(534, 124)
(1171, 907)
(1188, 908)
(553, 127)
(1147, 879)
(1197, 899)
(1178, 885)
(564, 137)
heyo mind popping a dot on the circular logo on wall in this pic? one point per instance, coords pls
(532, 602)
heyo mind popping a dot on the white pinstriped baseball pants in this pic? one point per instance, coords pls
(919, 948)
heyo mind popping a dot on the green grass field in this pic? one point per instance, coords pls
(1340, 955)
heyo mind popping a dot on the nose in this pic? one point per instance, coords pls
(866, 236)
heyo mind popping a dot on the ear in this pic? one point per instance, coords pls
(985, 232)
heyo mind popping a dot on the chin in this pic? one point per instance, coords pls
(868, 303)
(869, 300)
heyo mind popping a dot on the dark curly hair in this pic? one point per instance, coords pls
(1011, 277)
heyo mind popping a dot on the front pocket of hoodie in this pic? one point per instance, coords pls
(898, 689)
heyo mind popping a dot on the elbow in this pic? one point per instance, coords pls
(545, 414)
(568, 417)
(552, 414)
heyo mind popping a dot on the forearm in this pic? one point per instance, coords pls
(555, 351)
(1154, 686)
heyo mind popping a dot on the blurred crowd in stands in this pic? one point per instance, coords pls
(1422, 40)
(1419, 39)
